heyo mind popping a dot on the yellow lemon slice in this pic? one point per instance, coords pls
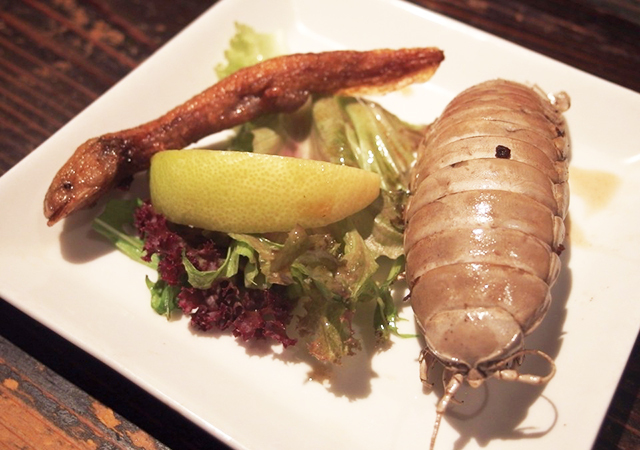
(254, 193)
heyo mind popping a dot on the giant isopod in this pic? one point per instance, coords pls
(484, 230)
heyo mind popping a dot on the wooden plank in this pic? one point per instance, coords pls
(602, 41)
(40, 410)
(31, 354)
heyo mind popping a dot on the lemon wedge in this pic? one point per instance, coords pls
(255, 193)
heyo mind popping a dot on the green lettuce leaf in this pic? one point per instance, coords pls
(200, 279)
(275, 134)
(248, 47)
(361, 133)
(327, 324)
(327, 275)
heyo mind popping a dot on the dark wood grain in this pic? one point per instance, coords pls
(39, 409)
(63, 381)
(57, 56)
(597, 36)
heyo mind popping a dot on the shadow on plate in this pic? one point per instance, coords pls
(79, 243)
(351, 378)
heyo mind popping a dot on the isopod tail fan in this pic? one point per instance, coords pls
(506, 373)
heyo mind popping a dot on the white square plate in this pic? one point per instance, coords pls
(76, 284)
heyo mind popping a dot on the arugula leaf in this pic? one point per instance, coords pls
(386, 316)
(163, 296)
(116, 224)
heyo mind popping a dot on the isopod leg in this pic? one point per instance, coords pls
(426, 360)
(514, 375)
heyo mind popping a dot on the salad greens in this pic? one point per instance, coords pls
(248, 47)
(303, 286)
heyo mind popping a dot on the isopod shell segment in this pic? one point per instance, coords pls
(485, 223)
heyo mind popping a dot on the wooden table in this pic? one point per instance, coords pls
(56, 57)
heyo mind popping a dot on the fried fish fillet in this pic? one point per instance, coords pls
(277, 85)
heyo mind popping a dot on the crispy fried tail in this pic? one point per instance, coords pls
(277, 85)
